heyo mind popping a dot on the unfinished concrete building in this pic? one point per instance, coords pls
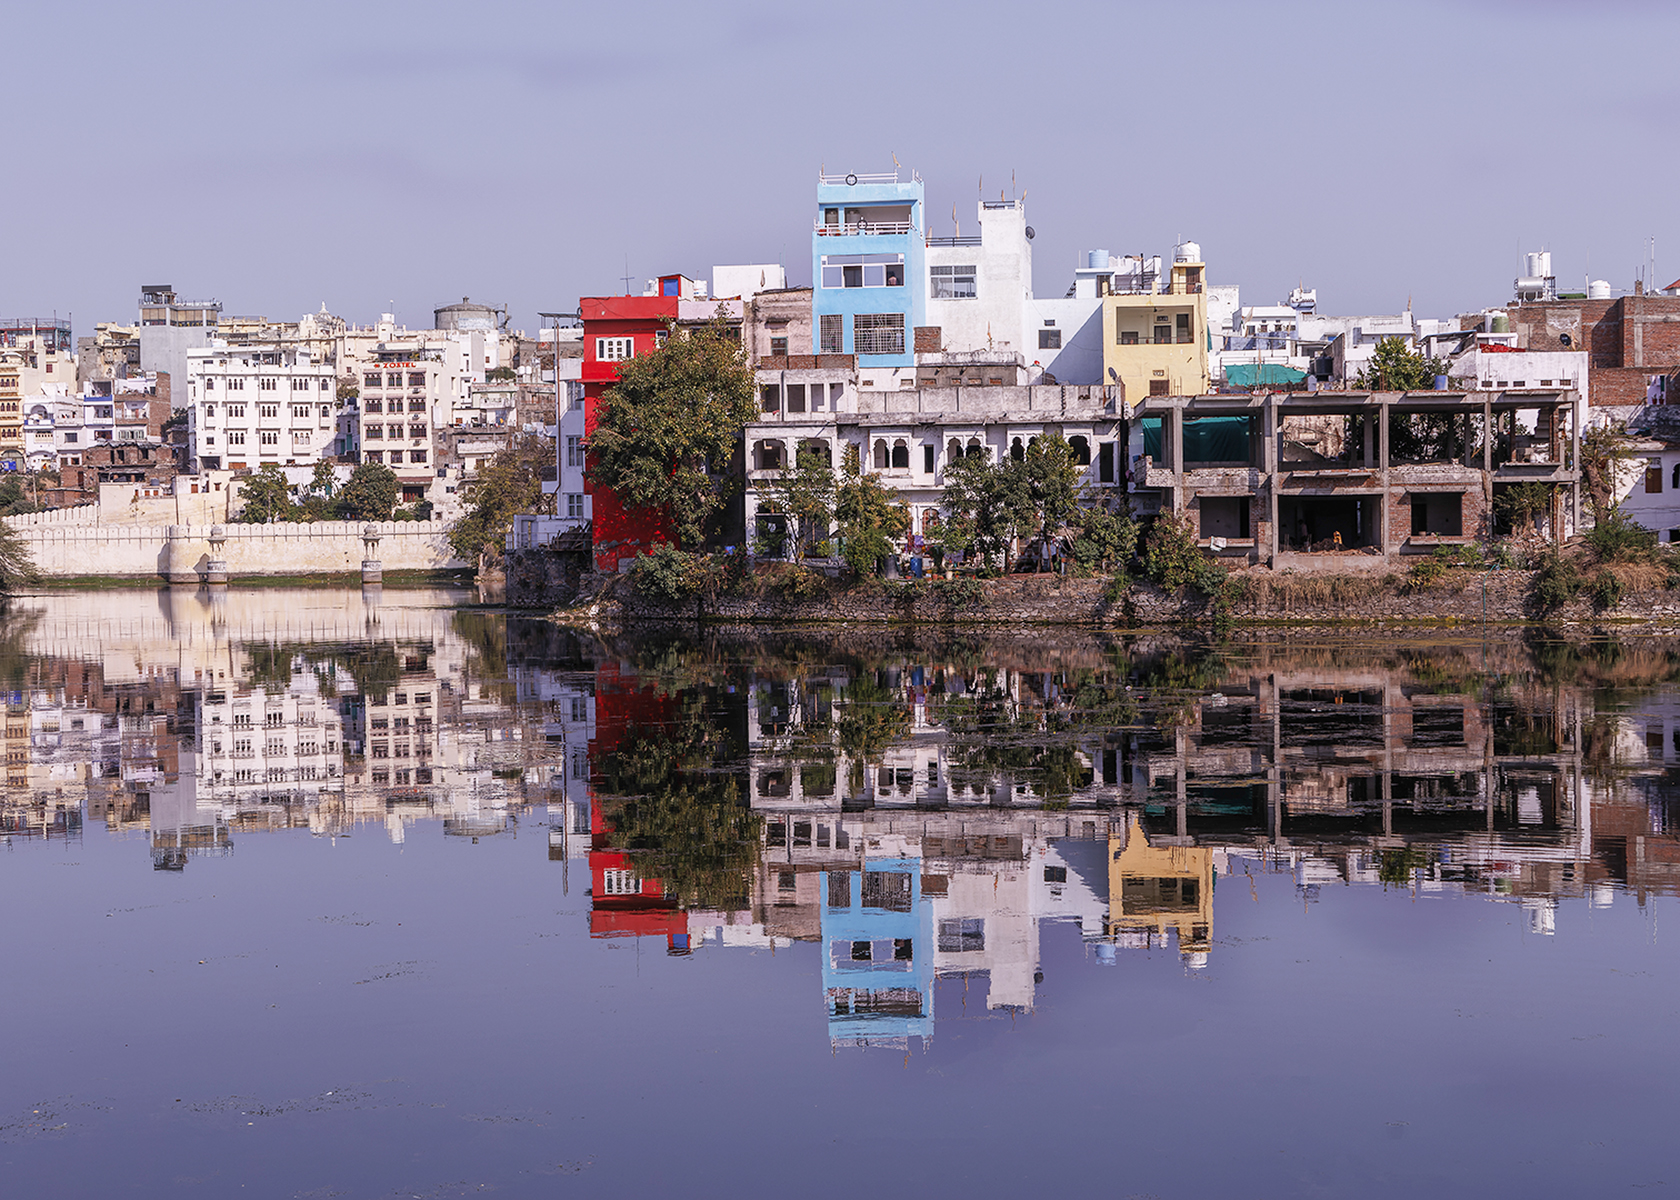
(1288, 479)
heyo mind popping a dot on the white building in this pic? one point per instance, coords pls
(255, 406)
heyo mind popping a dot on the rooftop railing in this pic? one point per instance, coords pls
(852, 178)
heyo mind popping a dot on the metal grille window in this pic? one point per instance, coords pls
(614, 349)
(952, 283)
(616, 882)
(833, 337)
(878, 333)
(961, 934)
(1049, 339)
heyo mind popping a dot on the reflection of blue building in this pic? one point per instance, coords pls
(868, 280)
(877, 935)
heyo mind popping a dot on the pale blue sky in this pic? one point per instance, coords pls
(373, 155)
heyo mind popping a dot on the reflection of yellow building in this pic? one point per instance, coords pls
(1156, 343)
(1152, 889)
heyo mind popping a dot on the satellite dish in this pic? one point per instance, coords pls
(1113, 376)
(1566, 340)
(1029, 233)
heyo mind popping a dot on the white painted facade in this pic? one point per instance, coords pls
(253, 406)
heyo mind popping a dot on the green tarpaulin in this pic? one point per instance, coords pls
(1262, 375)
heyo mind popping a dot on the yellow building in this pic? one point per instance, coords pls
(1152, 889)
(11, 402)
(1155, 343)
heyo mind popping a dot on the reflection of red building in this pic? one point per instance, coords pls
(622, 902)
(616, 328)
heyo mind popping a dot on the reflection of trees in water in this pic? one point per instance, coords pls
(670, 798)
(17, 625)
(373, 667)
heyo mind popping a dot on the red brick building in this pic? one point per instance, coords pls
(1631, 341)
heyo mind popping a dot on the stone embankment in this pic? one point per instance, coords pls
(1463, 598)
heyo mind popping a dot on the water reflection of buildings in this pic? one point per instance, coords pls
(200, 716)
(917, 822)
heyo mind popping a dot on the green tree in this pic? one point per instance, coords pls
(17, 567)
(1523, 504)
(984, 507)
(668, 430)
(1052, 481)
(805, 496)
(1395, 367)
(266, 498)
(1105, 540)
(870, 519)
(510, 483)
(1605, 451)
(369, 494)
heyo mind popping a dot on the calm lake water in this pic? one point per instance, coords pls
(316, 894)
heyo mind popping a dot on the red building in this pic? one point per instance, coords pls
(616, 328)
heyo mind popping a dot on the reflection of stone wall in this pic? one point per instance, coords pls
(1051, 600)
(180, 552)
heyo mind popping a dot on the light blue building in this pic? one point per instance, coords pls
(868, 279)
(877, 934)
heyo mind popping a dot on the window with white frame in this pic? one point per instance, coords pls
(574, 505)
(270, 438)
(617, 882)
(574, 451)
(953, 283)
(614, 349)
(862, 270)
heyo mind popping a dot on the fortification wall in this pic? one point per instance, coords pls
(181, 553)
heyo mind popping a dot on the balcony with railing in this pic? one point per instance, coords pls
(864, 229)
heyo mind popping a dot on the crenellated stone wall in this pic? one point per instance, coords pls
(181, 553)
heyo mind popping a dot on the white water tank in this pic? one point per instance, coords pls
(1598, 289)
(1539, 264)
(1187, 252)
(1096, 260)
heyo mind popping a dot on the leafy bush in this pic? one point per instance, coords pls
(669, 574)
(1557, 582)
(1172, 558)
(1607, 589)
(962, 591)
(1616, 537)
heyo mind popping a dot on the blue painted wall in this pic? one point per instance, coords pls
(910, 299)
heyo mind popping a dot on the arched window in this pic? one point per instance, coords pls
(1081, 449)
(930, 520)
(769, 455)
(955, 451)
(816, 451)
(900, 455)
(975, 449)
(1017, 451)
(880, 455)
(1676, 480)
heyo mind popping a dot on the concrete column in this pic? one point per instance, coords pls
(1383, 541)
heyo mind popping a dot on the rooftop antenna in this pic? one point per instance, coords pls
(626, 275)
